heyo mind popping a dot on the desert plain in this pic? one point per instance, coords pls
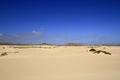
(48, 62)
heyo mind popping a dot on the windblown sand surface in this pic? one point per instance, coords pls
(59, 63)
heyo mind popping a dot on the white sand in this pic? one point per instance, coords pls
(59, 63)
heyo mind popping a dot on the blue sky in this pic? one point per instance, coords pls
(60, 21)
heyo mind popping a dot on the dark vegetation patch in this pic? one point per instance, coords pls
(3, 47)
(104, 48)
(4, 54)
(92, 50)
(99, 51)
(16, 52)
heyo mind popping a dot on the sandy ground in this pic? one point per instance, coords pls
(59, 63)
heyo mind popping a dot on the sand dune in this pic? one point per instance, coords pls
(59, 63)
